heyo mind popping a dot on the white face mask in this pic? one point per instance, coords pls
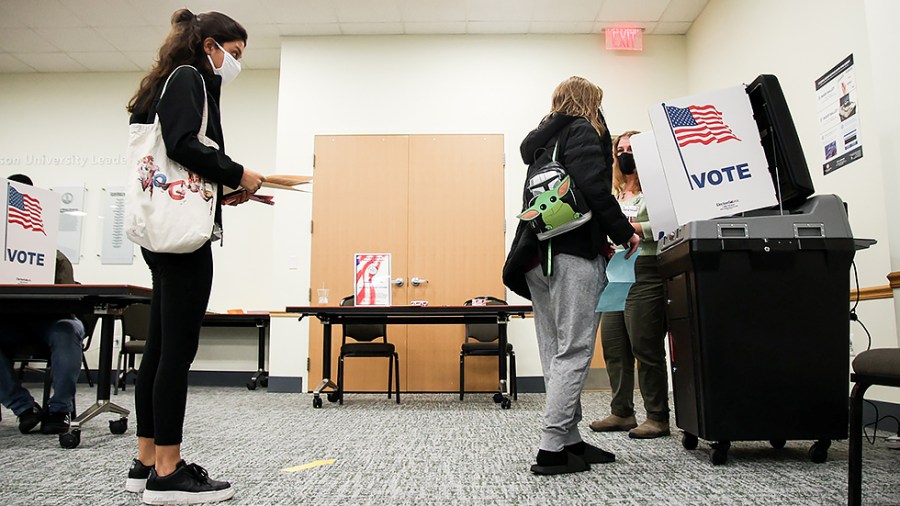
(230, 66)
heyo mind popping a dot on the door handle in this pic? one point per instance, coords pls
(417, 281)
(398, 282)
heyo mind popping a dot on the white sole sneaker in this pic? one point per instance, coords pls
(135, 485)
(180, 497)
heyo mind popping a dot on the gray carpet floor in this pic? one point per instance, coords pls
(431, 449)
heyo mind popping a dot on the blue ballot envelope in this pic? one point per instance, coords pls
(620, 274)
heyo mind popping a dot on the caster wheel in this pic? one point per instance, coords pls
(264, 382)
(505, 404)
(777, 443)
(498, 397)
(818, 452)
(118, 426)
(251, 385)
(334, 396)
(689, 441)
(70, 439)
(719, 454)
(317, 402)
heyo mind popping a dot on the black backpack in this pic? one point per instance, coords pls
(555, 206)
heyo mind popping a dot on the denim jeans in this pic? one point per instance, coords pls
(63, 337)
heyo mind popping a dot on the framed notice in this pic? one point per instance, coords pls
(837, 100)
(71, 220)
(116, 249)
(372, 282)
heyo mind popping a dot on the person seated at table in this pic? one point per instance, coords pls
(63, 334)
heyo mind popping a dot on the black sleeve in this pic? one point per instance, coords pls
(592, 173)
(180, 113)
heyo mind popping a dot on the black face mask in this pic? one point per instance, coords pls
(626, 163)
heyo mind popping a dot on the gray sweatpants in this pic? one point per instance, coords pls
(566, 327)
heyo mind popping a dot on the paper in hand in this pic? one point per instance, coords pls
(620, 274)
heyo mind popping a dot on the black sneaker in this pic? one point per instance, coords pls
(137, 477)
(188, 484)
(55, 423)
(29, 419)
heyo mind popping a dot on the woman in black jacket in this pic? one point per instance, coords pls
(211, 45)
(563, 276)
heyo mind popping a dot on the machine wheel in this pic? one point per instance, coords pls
(251, 385)
(777, 443)
(719, 454)
(505, 404)
(689, 441)
(317, 402)
(70, 439)
(498, 397)
(818, 452)
(118, 426)
(334, 396)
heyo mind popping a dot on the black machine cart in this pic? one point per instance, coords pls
(759, 326)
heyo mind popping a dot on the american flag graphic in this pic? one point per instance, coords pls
(698, 124)
(366, 266)
(24, 210)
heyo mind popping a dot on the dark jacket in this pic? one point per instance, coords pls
(587, 158)
(180, 113)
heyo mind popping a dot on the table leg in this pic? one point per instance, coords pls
(502, 320)
(326, 365)
(261, 377)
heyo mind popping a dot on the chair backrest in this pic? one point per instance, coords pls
(136, 322)
(362, 332)
(484, 332)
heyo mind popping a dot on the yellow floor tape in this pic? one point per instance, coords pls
(310, 465)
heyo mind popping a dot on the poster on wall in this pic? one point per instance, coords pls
(838, 105)
(711, 155)
(372, 284)
(31, 221)
(71, 220)
(116, 249)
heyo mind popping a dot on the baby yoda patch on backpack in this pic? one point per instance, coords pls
(556, 206)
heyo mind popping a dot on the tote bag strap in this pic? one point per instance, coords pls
(205, 104)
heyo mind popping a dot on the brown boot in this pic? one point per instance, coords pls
(613, 423)
(649, 429)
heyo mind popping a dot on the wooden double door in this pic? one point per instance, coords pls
(435, 203)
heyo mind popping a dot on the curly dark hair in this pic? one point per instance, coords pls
(183, 46)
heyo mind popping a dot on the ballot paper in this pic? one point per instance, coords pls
(620, 274)
(278, 181)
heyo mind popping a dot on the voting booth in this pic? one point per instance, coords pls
(757, 301)
(29, 236)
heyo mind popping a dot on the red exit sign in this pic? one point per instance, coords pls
(624, 39)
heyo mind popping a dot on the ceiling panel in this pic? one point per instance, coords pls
(500, 10)
(74, 39)
(244, 11)
(113, 61)
(143, 59)
(263, 36)
(51, 62)
(671, 28)
(434, 11)
(299, 12)
(300, 29)
(368, 11)
(9, 63)
(434, 28)
(683, 11)
(262, 59)
(571, 10)
(24, 40)
(40, 13)
(138, 38)
(155, 12)
(629, 10)
(372, 28)
(503, 27)
(105, 12)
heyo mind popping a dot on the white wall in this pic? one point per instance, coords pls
(83, 115)
(447, 84)
(799, 41)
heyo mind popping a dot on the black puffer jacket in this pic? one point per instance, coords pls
(180, 113)
(588, 159)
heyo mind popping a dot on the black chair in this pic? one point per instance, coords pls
(872, 367)
(135, 328)
(365, 335)
(483, 340)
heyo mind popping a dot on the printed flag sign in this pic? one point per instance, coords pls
(713, 163)
(30, 230)
(372, 279)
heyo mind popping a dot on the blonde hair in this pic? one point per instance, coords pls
(618, 177)
(576, 96)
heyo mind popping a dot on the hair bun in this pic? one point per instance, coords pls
(183, 16)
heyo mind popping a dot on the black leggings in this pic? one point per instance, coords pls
(181, 286)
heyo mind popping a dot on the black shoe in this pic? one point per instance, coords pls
(137, 477)
(591, 454)
(55, 423)
(561, 462)
(29, 419)
(188, 484)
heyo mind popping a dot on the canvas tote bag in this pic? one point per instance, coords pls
(168, 208)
